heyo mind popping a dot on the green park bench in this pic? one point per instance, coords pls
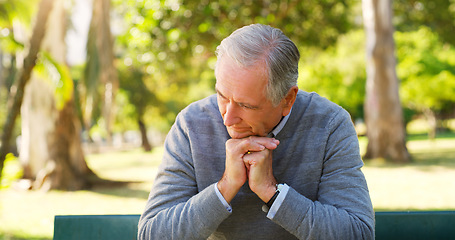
(431, 225)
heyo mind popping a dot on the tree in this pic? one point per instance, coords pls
(427, 71)
(100, 77)
(11, 51)
(23, 77)
(335, 72)
(51, 149)
(383, 114)
(438, 15)
(132, 82)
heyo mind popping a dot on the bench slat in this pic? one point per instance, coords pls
(97, 227)
(415, 225)
(389, 225)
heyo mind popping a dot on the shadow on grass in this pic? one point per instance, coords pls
(424, 136)
(426, 154)
(124, 189)
(422, 161)
(440, 158)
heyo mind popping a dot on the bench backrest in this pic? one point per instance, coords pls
(96, 227)
(415, 225)
(389, 225)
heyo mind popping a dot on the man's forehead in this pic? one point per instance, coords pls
(241, 96)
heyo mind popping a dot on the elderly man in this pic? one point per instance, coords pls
(261, 159)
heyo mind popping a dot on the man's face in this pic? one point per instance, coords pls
(242, 100)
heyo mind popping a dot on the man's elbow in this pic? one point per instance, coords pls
(366, 229)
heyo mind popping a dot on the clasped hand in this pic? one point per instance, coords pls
(249, 159)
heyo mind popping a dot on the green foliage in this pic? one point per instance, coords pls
(132, 82)
(8, 43)
(439, 15)
(338, 73)
(426, 67)
(126, 114)
(10, 11)
(57, 75)
(12, 171)
(16, 9)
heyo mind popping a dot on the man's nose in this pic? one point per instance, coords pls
(231, 116)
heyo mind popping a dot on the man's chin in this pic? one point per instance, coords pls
(239, 135)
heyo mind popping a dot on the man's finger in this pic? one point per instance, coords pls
(256, 144)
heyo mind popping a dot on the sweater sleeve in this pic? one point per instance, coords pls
(175, 209)
(343, 208)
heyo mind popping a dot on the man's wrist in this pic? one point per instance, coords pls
(269, 203)
(267, 193)
(272, 200)
(283, 188)
(227, 192)
(220, 196)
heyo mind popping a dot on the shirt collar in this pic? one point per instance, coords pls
(280, 125)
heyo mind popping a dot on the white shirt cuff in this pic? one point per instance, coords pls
(220, 196)
(278, 201)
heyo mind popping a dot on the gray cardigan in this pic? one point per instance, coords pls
(318, 157)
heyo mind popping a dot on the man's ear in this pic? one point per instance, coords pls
(289, 100)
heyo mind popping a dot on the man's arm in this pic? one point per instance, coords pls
(175, 208)
(343, 209)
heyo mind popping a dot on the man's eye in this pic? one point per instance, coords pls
(222, 97)
(247, 107)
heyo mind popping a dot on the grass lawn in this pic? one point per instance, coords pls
(30, 214)
(426, 184)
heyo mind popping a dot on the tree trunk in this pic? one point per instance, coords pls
(109, 72)
(430, 115)
(51, 149)
(145, 141)
(100, 65)
(69, 170)
(24, 76)
(38, 122)
(383, 114)
(2, 74)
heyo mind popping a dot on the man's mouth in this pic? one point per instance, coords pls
(240, 129)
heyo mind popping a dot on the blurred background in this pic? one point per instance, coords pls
(89, 89)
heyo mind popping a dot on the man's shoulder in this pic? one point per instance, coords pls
(312, 112)
(202, 118)
(207, 105)
(311, 102)
(315, 109)
(201, 111)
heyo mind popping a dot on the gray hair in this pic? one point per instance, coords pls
(251, 44)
